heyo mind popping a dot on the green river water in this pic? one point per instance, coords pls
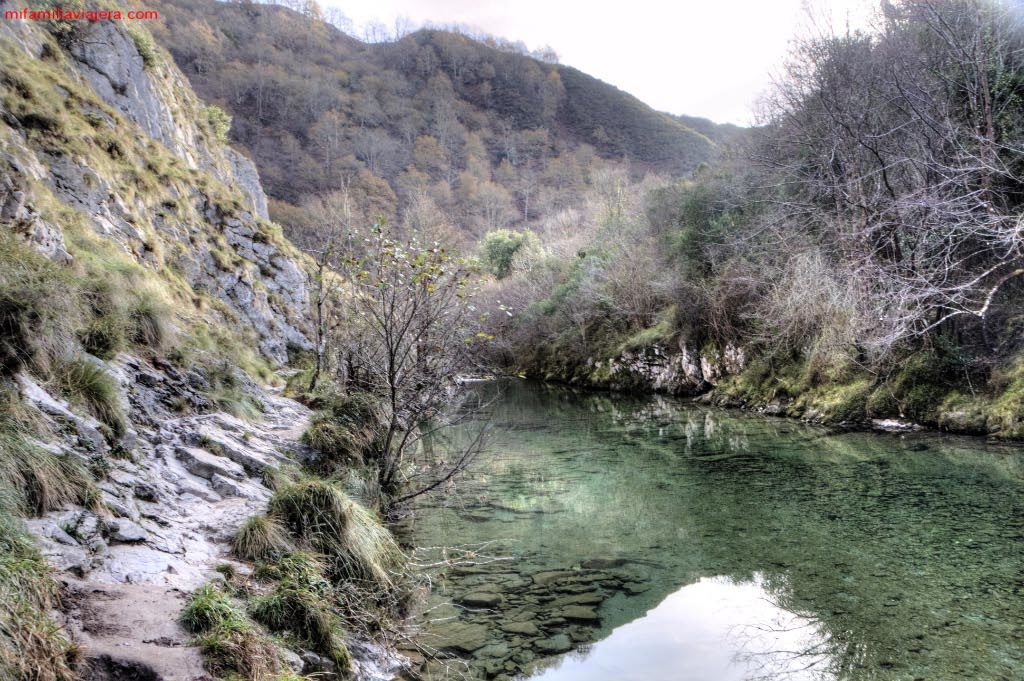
(608, 538)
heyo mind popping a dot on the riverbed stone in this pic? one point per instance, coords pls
(499, 650)
(556, 644)
(525, 628)
(463, 637)
(480, 599)
(547, 577)
(589, 598)
(603, 563)
(579, 613)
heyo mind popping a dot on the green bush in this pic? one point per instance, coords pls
(219, 122)
(499, 249)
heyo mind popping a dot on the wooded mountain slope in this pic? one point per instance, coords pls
(435, 122)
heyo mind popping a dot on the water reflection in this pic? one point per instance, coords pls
(717, 629)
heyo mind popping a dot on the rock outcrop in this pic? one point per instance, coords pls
(132, 157)
(676, 371)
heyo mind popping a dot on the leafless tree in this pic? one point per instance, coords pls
(902, 148)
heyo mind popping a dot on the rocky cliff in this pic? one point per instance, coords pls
(100, 139)
(140, 275)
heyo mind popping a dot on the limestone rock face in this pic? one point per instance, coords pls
(676, 371)
(109, 59)
(187, 202)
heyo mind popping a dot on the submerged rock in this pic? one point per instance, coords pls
(463, 637)
(480, 599)
(559, 643)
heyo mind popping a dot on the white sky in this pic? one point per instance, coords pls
(708, 58)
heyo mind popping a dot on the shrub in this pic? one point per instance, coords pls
(502, 248)
(219, 121)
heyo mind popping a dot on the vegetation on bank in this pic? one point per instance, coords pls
(324, 568)
(861, 250)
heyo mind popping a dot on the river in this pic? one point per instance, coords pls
(612, 538)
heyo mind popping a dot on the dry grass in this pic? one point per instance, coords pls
(354, 541)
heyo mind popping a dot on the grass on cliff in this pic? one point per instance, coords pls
(33, 480)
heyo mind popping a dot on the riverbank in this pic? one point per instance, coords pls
(928, 389)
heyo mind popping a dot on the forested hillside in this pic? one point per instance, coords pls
(436, 127)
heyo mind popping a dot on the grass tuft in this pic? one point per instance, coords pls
(239, 649)
(301, 603)
(357, 546)
(32, 646)
(261, 538)
(207, 609)
(85, 382)
(345, 430)
(33, 479)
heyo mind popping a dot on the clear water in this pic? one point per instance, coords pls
(603, 537)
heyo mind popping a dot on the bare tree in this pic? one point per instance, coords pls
(903, 149)
(413, 306)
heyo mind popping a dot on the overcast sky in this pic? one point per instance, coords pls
(708, 58)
